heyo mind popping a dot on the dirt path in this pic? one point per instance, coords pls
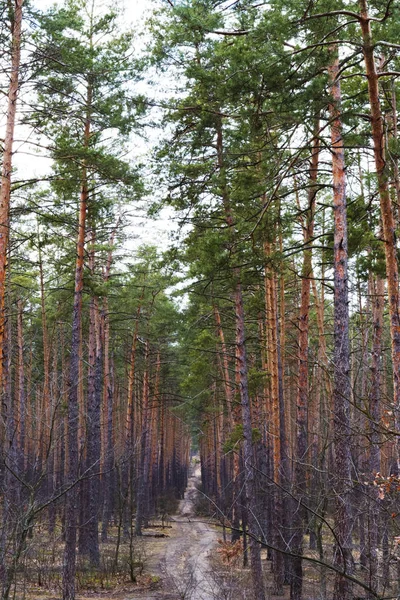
(182, 559)
(186, 562)
(173, 562)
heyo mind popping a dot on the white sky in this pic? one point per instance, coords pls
(30, 165)
(134, 9)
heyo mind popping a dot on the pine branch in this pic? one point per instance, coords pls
(228, 33)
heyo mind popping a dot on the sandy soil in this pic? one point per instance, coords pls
(182, 559)
(186, 561)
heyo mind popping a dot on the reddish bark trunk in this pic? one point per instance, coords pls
(388, 220)
(5, 189)
(275, 420)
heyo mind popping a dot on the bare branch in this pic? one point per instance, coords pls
(330, 43)
(389, 44)
(228, 33)
(350, 13)
(387, 11)
(334, 13)
(389, 74)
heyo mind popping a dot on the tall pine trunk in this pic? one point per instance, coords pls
(69, 567)
(5, 189)
(108, 475)
(374, 430)
(388, 220)
(21, 401)
(275, 441)
(242, 369)
(90, 488)
(342, 385)
(143, 462)
(300, 475)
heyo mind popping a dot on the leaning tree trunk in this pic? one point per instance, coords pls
(342, 385)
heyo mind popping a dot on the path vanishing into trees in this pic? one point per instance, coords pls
(184, 560)
(187, 558)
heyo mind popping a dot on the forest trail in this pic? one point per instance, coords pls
(183, 561)
(187, 564)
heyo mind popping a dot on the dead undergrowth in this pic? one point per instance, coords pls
(126, 571)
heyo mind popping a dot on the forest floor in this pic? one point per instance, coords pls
(181, 558)
(176, 559)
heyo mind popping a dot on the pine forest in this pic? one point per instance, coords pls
(199, 299)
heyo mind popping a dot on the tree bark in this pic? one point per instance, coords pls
(108, 397)
(388, 220)
(90, 500)
(342, 385)
(69, 567)
(275, 439)
(375, 420)
(143, 463)
(21, 401)
(44, 437)
(300, 475)
(129, 428)
(5, 189)
(242, 369)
